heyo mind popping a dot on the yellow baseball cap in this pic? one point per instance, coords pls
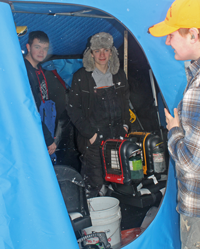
(181, 14)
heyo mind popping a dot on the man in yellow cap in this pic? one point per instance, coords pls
(182, 28)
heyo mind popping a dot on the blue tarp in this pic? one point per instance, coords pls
(65, 68)
(32, 211)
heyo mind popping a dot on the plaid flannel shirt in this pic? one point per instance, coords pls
(184, 145)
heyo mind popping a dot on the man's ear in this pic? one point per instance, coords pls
(28, 47)
(194, 33)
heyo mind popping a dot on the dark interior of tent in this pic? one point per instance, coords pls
(69, 28)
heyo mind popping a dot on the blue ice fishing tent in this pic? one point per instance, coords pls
(32, 210)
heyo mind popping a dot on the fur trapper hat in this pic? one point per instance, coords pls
(98, 41)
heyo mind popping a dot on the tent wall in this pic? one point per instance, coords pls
(32, 209)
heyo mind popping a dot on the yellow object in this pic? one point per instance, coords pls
(181, 14)
(132, 116)
(143, 136)
(21, 30)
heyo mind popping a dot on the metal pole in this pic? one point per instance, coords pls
(126, 53)
(155, 99)
(126, 72)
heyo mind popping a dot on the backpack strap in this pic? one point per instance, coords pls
(59, 78)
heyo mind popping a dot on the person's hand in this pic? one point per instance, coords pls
(171, 122)
(52, 148)
(92, 140)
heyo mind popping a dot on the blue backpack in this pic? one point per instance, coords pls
(47, 112)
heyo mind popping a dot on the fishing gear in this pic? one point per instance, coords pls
(102, 244)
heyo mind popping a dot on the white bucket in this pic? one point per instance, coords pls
(105, 214)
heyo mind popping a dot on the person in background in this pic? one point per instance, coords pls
(37, 47)
(182, 28)
(98, 107)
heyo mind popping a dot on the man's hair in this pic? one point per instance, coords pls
(184, 31)
(40, 35)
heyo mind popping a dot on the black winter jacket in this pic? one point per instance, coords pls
(81, 99)
(37, 96)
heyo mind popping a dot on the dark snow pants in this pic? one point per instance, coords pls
(106, 117)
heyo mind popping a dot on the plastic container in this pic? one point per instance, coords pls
(105, 214)
(159, 160)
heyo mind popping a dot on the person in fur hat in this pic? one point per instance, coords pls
(98, 107)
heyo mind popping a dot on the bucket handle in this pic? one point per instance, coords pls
(113, 233)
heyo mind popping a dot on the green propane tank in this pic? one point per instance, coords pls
(135, 164)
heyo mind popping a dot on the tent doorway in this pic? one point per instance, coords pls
(69, 27)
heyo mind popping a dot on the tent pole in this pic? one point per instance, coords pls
(126, 53)
(126, 72)
(155, 100)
